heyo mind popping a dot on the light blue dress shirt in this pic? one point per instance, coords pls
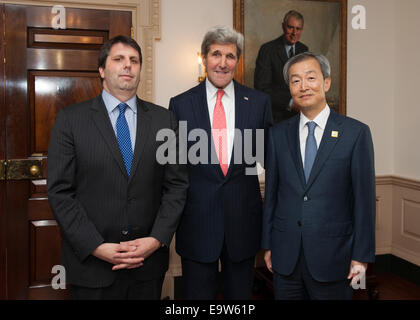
(288, 49)
(111, 104)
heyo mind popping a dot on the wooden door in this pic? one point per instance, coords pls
(44, 70)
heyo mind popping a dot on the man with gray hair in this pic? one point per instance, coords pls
(272, 56)
(319, 209)
(223, 215)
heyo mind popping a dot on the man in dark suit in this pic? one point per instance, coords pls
(117, 208)
(272, 56)
(319, 209)
(222, 217)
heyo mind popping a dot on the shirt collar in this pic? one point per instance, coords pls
(111, 102)
(320, 120)
(212, 90)
(288, 46)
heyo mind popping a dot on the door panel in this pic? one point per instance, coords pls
(49, 92)
(45, 70)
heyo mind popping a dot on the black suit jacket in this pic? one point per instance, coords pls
(222, 209)
(268, 76)
(95, 201)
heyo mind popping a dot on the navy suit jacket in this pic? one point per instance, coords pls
(221, 208)
(268, 76)
(332, 216)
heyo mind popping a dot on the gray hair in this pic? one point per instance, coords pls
(322, 60)
(294, 14)
(222, 35)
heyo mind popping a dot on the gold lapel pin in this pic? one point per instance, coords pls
(334, 134)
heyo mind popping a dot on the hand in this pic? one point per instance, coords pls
(357, 272)
(144, 247)
(107, 251)
(267, 259)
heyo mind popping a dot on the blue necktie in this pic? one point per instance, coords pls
(123, 137)
(310, 149)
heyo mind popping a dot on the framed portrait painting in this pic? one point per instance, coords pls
(324, 32)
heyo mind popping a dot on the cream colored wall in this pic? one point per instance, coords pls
(371, 75)
(406, 100)
(184, 23)
(383, 65)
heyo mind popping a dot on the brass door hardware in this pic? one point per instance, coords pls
(21, 169)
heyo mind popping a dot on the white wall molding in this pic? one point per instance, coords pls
(398, 211)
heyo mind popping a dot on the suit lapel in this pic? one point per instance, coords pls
(242, 112)
(294, 146)
(281, 51)
(103, 123)
(328, 143)
(142, 134)
(299, 48)
(200, 108)
(202, 118)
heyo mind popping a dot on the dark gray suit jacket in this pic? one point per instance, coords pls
(94, 200)
(268, 76)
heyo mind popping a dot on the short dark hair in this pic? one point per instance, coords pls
(106, 47)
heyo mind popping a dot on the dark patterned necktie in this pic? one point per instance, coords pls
(123, 137)
(291, 52)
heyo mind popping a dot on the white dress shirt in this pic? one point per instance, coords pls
(228, 101)
(321, 121)
(111, 104)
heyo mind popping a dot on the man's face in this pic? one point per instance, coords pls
(307, 86)
(221, 62)
(121, 75)
(292, 30)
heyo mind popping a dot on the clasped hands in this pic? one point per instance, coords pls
(129, 254)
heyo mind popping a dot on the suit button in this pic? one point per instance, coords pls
(305, 198)
(124, 232)
(299, 223)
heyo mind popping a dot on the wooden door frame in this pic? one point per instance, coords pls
(3, 220)
(146, 21)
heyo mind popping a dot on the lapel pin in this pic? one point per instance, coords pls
(334, 134)
(246, 98)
